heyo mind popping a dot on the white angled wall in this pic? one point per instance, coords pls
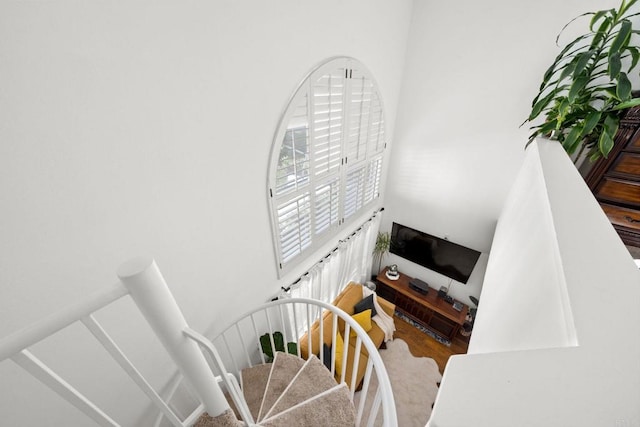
(551, 344)
(524, 301)
(145, 129)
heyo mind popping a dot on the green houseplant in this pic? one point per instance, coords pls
(383, 243)
(585, 90)
(278, 342)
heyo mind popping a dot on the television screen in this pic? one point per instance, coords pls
(445, 257)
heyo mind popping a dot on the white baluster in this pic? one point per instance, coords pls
(151, 294)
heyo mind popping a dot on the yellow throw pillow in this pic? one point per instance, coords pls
(338, 345)
(364, 319)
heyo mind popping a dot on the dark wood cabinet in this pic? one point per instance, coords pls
(429, 310)
(615, 181)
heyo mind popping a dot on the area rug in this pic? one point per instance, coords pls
(417, 325)
(414, 383)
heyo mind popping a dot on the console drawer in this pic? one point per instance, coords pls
(627, 165)
(619, 191)
(634, 143)
(623, 217)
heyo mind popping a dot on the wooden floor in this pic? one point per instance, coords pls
(422, 345)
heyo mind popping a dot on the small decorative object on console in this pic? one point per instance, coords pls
(419, 286)
(443, 291)
(457, 305)
(392, 272)
(466, 328)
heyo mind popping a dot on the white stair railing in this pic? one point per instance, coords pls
(235, 348)
(151, 294)
(238, 347)
(141, 279)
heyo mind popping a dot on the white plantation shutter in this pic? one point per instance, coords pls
(326, 160)
(376, 142)
(372, 180)
(293, 164)
(327, 112)
(327, 205)
(354, 191)
(294, 222)
(359, 116)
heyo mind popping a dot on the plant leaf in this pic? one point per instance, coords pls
(578, 84)
(622, 38)
(596, 17)
(635, 56)
(626, 5)
(611, 90)
(547, 127)
(564, 54)
(615, 65)
(590, 122)
(572, 140)
(605, 144)
(547, 75)
(632, 15)
(561, 109)
(581, 61)
(569, 23)
(600, 35)
(627, 104)
(594, 155)
(541, 104)
(624, 87)
(611, 123)
(568, 70)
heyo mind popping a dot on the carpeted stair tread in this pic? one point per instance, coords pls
(333, 408)
(226, 419)
(283, 369)
(293, 391)
(254, 382)
(313, 379)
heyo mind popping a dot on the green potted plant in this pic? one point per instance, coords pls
(278, 342)
(383, 243)
(585, 90)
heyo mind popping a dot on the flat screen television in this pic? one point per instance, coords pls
(440, 255)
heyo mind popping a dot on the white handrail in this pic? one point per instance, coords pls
(153, 297)
(32, 334)
(375, 361)
(230, 381)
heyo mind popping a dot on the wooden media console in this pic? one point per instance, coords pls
(428, 309)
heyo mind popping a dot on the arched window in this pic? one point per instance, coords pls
(326, 158)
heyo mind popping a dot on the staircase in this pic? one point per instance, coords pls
(229, 375)
(290, 391)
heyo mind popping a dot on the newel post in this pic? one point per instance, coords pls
(151, 294)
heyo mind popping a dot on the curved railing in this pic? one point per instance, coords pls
(238, 347)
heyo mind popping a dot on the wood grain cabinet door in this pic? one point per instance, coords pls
(615, 181)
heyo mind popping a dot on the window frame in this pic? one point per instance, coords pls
(371, 163)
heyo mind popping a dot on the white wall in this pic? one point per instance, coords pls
(551, 344)
(524, 281)
(146, 128)
(472, 70)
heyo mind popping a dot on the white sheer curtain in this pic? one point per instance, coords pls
(358, 253)
(350, 261)
(367, 254)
